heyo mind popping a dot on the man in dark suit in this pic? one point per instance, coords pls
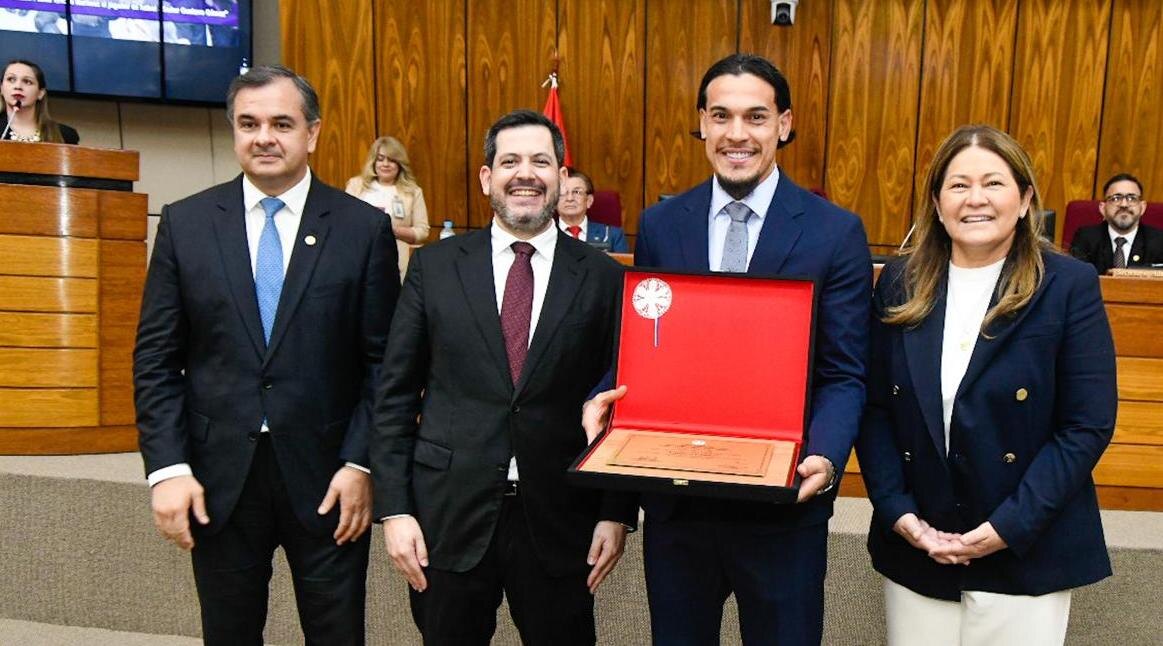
(498, 337)
(1121, 240)
(577, 196)
(751, 218)
(254, 393)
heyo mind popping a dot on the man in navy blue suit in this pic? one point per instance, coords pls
(751, 218)
(577, 196)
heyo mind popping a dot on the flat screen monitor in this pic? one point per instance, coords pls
(184, 51)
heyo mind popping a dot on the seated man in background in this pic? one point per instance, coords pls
(577, 196)
(1120, 241)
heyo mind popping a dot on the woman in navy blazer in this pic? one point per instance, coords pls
(991, 398)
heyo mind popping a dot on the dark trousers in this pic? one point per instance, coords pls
(777, 575)
(232, 568)
(460, 608)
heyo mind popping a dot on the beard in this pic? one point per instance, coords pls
(1123, 220)
(739, 188)
(529, 223)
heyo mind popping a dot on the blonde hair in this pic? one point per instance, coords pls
(393, 150)
(930, 247)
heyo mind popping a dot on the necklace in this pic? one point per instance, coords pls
(32, 138)
(966, 312)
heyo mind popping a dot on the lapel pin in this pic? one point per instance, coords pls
(310, 240)
(1135, 258)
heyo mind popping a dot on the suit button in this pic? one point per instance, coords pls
(958, 457)
(516, 409)
(266, 385)
(1009, 458)
(1021, 394)
(908, 456)
(896, 389)
(253, 437)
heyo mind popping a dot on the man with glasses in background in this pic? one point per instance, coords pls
(577, 196)
(1120, 241)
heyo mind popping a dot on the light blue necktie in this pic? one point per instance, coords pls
(735, 244)
(268, 270)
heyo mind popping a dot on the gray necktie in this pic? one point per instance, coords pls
(1120, 255)
(735, 244)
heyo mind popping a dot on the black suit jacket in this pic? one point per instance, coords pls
(1093, 244)
(448, 417)
(203, 375)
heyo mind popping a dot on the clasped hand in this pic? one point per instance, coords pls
(947, 547)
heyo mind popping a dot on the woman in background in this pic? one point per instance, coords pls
(991, 397)
(26, 116)
(387, 183)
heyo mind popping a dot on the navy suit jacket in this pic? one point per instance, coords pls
(604, 233)
(205, 379)
(1033, 413)
(803, 235)
(1093, 244)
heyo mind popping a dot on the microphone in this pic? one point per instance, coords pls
(15, 109)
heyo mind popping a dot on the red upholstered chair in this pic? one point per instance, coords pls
(607, 208)
(1082, 213)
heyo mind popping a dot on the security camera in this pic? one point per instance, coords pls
(783, 12)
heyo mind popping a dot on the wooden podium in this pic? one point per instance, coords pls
(72, 267)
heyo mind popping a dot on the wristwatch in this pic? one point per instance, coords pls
(832, 480)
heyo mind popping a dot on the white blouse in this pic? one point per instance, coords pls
(967, 299)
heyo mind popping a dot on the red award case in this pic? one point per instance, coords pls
(718, 373)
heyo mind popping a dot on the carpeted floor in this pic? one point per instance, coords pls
(79, 550)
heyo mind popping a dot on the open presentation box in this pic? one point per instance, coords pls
(718, 373)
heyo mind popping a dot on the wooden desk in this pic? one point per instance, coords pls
(72, 244)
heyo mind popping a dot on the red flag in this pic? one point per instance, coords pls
(552, 110)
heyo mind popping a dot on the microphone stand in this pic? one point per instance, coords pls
(15, 111)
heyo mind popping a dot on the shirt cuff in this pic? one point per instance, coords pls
(172, 471)
(358, 467)
(395, 516)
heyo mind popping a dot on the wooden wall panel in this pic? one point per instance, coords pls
(966, 74)
(35, 294)
(48, 368)
(25, 207)
(803, 53)
(123, 215)
(24, 329)
(682, 41)
(602, 44)
(122, 277)
(1139, 379)
(510, 49)
(330, 43)
(1133, 110)
(38, 407)
(1138, 422)
(872, 122)
(421, 98)
(45, 256)
(1136, 330)
(1060, 65)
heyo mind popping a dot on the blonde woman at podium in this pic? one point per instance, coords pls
(26, 115)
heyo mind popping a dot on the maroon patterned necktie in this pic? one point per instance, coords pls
(517, 308)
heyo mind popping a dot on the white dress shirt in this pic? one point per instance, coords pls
(544, 244)
(758, 200)
(584, 225)
(967, 300)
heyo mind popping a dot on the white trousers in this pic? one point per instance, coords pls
(979, 619)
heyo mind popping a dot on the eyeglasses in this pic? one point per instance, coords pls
(577, 192)
(1130, 199)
